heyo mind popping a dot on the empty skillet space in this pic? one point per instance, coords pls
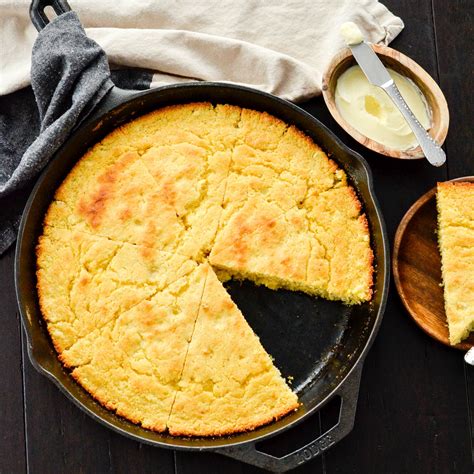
(299, 331)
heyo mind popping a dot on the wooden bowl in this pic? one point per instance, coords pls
(405, 66)
(417, 268)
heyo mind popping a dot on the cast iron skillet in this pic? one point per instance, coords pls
(321, 344)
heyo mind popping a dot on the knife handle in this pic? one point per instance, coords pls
(433, 152)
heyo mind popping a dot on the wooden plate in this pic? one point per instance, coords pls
(417, 268)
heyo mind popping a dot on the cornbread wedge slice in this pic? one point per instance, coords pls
(336, 220)
(119, 202)
(191, 181)
(322, 250)
(229, 383)
(269, 142)
(264, 245)
(133, 365)
(278, 163)
(154, 181)
(85, 281)
(290, 219)
(257, 173)
(455, 201)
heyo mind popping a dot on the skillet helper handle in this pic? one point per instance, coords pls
(37, 15)
(348, 393)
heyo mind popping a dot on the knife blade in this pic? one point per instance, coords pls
(378, 75)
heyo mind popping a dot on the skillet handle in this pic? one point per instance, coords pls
(37, 15)
(112, 100)
(348, 392)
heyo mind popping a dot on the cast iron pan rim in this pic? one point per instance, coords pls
(96, 116)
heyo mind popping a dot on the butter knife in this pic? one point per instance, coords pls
(379, 76)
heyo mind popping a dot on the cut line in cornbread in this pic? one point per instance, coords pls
(455, 201)
(133, 366)
(229, 382)
(155, 189)
(278, 163)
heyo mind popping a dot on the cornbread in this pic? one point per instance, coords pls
(133, 365)
(85, 281)
(153, 182)
(455, 202)
(226, 372)
(322, 250)
(132, 305)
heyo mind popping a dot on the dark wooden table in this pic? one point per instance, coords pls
(416, 403)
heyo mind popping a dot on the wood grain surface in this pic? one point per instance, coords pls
(416, 402)
(417, 269)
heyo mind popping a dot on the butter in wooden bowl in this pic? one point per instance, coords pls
(370, 110)
(367, 113)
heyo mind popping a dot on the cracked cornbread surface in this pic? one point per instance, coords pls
(133, 307)
(455, 201)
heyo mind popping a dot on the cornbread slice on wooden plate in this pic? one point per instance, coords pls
(455, 201)
(133, 364)
(229, 383)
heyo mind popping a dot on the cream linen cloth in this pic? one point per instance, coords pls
(281, 47)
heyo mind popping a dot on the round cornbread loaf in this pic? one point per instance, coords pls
(142, 230)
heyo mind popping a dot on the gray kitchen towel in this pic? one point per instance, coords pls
(69, 76)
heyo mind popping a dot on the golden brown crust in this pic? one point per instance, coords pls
(455, 184)
(118, 259)
(321, 247)
(242, 428)
(185, 432)
(369, 261)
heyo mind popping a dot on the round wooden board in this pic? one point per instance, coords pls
(417, 268)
